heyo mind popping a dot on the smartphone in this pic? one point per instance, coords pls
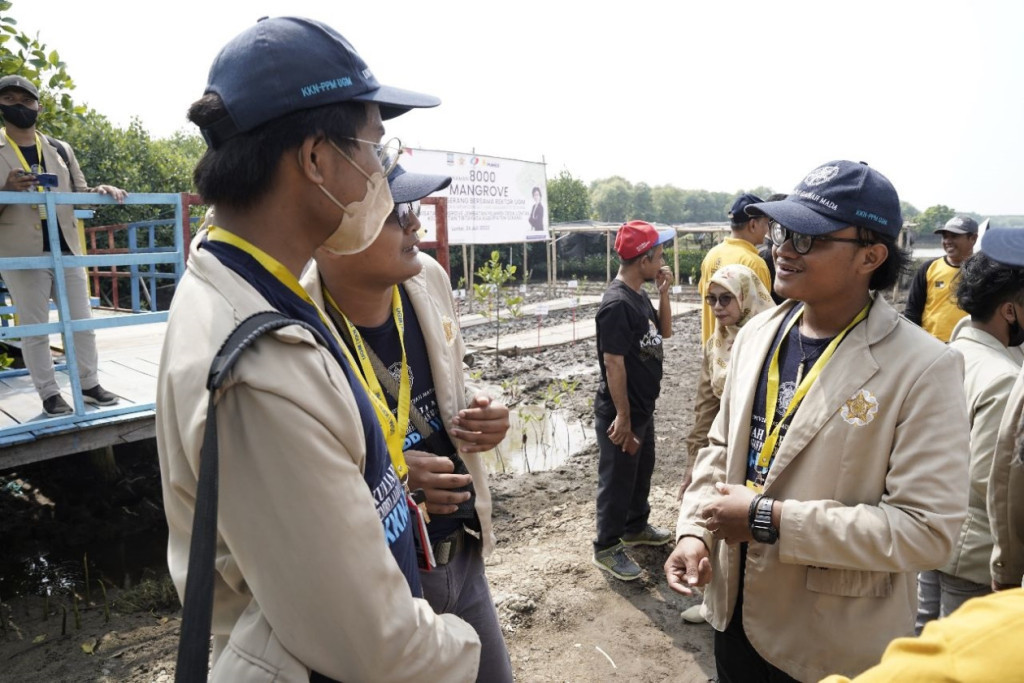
(48, 180)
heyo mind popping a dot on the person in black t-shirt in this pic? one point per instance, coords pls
(629, 354)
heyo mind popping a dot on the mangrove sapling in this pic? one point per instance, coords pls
(78, 616)
(88, 590)
(106, 604)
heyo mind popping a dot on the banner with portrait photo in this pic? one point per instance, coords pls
(491, 200)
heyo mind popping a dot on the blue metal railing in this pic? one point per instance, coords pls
(56, 261)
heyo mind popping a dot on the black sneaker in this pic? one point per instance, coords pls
(56, 405)
(98, 396)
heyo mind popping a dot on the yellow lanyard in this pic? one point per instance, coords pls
(764, 458)
(395, 428)
(380, 406)
(26, 167)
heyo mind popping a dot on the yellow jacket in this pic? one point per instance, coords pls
(731, 250)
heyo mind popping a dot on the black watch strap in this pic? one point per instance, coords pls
(762, 528)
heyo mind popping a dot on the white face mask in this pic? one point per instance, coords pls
(361, 221)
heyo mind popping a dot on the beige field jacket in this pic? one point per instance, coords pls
(21, 232)
(873, 475)
(305, 576)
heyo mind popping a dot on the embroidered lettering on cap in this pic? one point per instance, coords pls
(821, 175)
(861, 213)
(325, 86)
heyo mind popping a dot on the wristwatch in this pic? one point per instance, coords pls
(761, 527)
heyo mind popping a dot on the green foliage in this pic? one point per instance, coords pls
(612, 199)
(493, 276)
(568, 199)
(933, 218)
(27, 56)
(643, 203)
(909, 211)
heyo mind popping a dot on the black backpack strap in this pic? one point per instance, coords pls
(61, 150)
(197, 609)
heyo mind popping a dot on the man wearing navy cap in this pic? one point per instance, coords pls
(832, 476)
(748, 234)
(396, 303)
(629, 354)
(317, 574)
(931, 300)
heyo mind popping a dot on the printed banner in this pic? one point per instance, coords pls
(490, 200)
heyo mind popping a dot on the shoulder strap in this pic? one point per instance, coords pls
(197, 609)
(61, 150)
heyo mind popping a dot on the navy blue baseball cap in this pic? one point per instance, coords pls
(737, 213)
(1005, 245)
(410, 187)
(835, 195)
(287, 64)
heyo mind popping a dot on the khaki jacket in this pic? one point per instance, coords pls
(305, 577)
(20, 224)
(871, 475)
(431, 296)
(989, 373)
(1005, 501)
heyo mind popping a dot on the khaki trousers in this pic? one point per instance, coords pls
(32, 291)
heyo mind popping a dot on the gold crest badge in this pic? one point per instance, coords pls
(860, 408)
(449, 329)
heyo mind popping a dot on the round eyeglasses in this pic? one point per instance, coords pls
(722, 300)
(405, 211)
(803, 243)
(387, 152)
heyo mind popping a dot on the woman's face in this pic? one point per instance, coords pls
(726, 307)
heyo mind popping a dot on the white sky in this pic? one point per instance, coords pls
(701, 95)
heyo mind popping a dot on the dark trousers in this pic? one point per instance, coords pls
(623, 485)
(735, 658)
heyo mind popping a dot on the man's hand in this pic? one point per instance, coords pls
(481, 426)
(688, 566)
(434, 474)
(19, 181)
(728, 516)
(664, 279)
(115, 192)
(621, 429)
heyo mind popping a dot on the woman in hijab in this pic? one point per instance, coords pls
(735, 295)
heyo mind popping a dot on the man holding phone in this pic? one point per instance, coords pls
(629, 353)
(32, 162)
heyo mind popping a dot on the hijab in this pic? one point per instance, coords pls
(753, 298)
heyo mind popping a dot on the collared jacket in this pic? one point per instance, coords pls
(430, 294)
(305, 579)
(20, 224)
(1005, 498)
(872, 480)
(989, 373)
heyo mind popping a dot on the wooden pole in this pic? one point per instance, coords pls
(608, 258)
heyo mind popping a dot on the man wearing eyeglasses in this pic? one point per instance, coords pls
(316, 571)
(748, 234)
(445, 429)
(832, 475)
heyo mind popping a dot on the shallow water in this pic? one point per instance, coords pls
(538, 439)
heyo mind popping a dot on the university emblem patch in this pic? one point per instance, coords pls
(860, 408)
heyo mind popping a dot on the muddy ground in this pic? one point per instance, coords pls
(563, 619)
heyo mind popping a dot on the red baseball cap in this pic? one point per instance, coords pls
(636, 237)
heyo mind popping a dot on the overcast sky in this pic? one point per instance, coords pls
(711, 95)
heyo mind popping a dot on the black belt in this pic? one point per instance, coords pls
(447, 548)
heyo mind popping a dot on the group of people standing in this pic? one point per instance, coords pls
(843, 463)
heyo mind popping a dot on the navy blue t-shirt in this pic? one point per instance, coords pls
(385, 343)
(388, 492)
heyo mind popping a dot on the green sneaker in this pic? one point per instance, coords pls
(651, 535)
(616, 562)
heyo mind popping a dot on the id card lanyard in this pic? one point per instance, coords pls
(26, 167)
(764, 458)
(395, 428)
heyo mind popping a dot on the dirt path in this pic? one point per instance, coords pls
(564, 620)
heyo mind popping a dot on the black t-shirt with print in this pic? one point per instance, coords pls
(627, 326)
(385, 343)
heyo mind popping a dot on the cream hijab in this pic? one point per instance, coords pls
(753, 298)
